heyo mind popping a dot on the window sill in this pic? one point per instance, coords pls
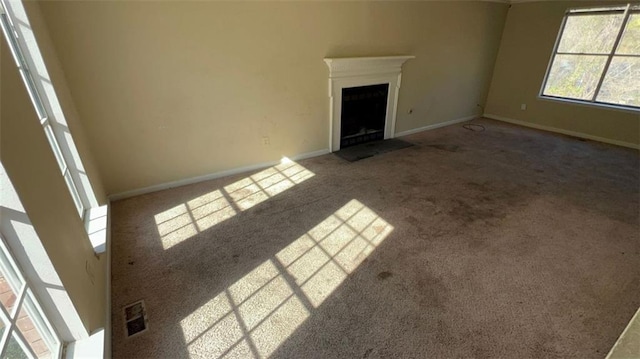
(603, 106)
(91, 347)
(95, 222)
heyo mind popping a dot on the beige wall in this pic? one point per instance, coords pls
(529, 36)
(34, 172)
(172, 90)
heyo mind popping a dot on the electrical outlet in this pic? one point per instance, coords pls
(266, 141)
(523, 106)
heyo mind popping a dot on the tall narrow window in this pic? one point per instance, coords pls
(13, 39)
(597, 57)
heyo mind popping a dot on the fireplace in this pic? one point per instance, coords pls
(363, 97)
(364, 109)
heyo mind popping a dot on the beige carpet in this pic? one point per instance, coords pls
(507, 243)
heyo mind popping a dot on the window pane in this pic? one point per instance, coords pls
(622, 82)
(33, 93)
(9, 271)
(55, 147)
(10, 281)
(6, 28)
(31, 325)
(593, 34)
(22, 65)
(630, 42)
(4, 323)
(14, 350)
(574, 76)
(74, 192)
(7, 295)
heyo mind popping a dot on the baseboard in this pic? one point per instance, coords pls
(304, 156)
(435, 125)
(564, 132)
(107, 326)
(231, 172)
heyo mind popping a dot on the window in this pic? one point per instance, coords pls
(25, 331)
(597, 58)
(62, 153)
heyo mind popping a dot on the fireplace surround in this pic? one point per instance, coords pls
(348, 73)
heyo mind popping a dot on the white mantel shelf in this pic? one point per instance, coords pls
(349, 72)
(360, 66)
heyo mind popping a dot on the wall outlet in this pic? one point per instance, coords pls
(266, 141)
(523, 106)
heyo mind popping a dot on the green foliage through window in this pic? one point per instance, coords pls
(597, 57)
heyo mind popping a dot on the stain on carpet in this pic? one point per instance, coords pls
(432, 290)
(384, 275)
(448, 148)
(414, 221)
(472, 212)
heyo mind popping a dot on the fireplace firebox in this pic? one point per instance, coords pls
(364, 111)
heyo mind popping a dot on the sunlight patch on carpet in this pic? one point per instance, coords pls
(187, 219)
(256, 314)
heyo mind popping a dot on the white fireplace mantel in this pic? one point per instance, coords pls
(363, 71)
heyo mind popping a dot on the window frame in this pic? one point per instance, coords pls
(22, 290)
(81, 192)
(627, 10)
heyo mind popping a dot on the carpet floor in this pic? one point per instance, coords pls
(506, 243)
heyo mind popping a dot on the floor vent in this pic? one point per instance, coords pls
(135, 318)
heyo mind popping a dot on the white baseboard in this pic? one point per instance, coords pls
(233, 171)
(304, 156)
(435, 125)
(564, 132)
(107, 325)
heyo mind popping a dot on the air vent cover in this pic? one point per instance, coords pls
(135, 318)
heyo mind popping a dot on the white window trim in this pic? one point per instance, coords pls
(627, 10)
(48, 108)
(600, 105)
(12, 318)
(29, 253)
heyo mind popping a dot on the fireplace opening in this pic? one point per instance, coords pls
(364, 110)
